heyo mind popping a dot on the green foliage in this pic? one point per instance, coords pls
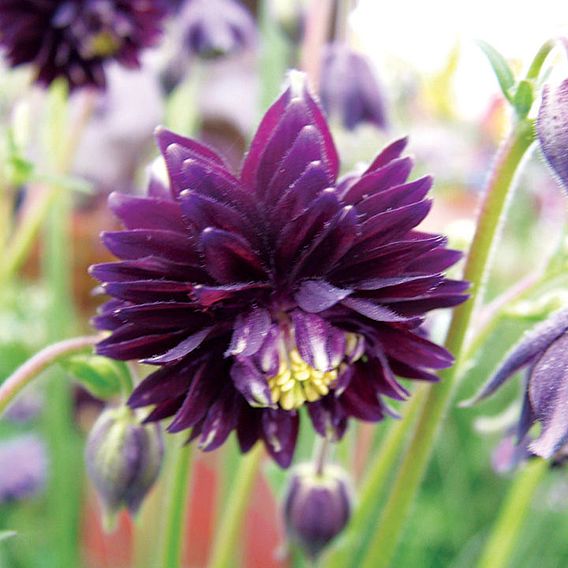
(500, 67)
(102, 377)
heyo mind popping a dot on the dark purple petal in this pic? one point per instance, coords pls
(332, 243)
(201, 394)
(391, 152)
(315, 296)
(127, 343)
(250, 330)
(251, 383)
(163, 315)
(249, 427)
(412, 349)
(372, 310)
(210, 295)
(146, 213)
(229, 257)
(187, 147)
(280, 432)
(294, 110)
(148, 290)
(140, 243)
(184, 348)
(328, 417)
(395, 197)
(221, 419)
(392, 174)
(320, 344)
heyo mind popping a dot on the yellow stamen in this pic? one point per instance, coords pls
(297, 382)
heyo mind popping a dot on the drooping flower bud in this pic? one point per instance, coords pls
(216, 28)
(317, 507)
(23, 468)
(552, 130)
(123, 460)
(349, 90)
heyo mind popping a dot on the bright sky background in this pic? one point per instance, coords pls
(422, 33)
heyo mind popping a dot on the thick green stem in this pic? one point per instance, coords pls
(225, 547)
(177, 492)
(497, 552)
(373, 487)
(499, 192)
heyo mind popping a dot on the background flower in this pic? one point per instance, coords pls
(74, 38)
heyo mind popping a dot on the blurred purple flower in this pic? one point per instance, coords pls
(544, 352)
(282, 287)
(552, 130)
(23, 468)
(75, 38)
(349, 89)
(317, 507)
(216, 28)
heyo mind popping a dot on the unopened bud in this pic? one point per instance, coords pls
(123, 460)
(317, 507)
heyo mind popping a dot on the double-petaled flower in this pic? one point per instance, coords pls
(75, 38)
(278, 289)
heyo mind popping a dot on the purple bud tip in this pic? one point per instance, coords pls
(552, 130)
(317, 507)
(123, 459)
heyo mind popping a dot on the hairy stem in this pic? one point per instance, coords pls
(389, 528)
(25, 374)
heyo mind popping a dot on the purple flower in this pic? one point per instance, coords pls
(552, 130)
(349, 89)
(316, 507)
(123, 459)
(23, 468)
(215, 28)
(278, 288)
(543, 351)
(75, 38)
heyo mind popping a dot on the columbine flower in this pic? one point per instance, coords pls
(74, 38)
(215, 28)
(349, 89)
(279, 288)
(23, 468)
(123, 459)
(317, 507)
(552, 130)
(544, 352)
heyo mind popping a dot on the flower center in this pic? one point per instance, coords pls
(102, 44)
(297, 382)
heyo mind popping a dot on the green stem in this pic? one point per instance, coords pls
(176, 517)
(373, 486)
(513, 512)
(539, 59)
(499, 193)
(25, 374)
(225, 547)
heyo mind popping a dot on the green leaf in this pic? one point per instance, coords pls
(4, 535)
(524, 98)
(102, 377)
(500, 67)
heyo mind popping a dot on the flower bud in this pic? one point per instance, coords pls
(349, 89)
(123, 460)
(317, 507)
